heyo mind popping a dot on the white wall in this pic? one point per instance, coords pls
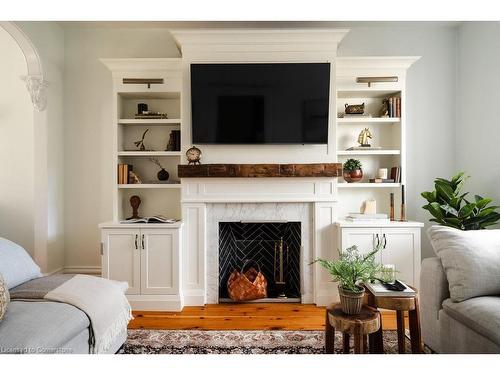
(48, 39)
(88, 181)
(478, 130)
(430, 98)
(88, 113)
(16, 147)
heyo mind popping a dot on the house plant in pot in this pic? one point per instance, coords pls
(351, 270)
(352, 170)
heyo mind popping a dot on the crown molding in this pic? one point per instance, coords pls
(192, 41)
(349, 65)
(127, 65)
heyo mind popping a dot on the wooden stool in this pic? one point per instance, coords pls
(400, 304)
(360, 326)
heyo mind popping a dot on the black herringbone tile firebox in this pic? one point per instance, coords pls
(240, 241)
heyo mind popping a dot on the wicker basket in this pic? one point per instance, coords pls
(351, 302)
(247, 285)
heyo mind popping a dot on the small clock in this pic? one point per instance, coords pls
(193, 155)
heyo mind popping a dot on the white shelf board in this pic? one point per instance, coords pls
(370, 120)
(112, 224)
(150, 95)
(168, 121)
(371, 152)
(357, 185)
(367, 93)
(149, 186)
(149, 153)
(375, 224)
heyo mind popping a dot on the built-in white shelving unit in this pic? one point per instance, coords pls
(157, 198)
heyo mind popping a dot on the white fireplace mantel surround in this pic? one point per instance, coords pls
(208, 201)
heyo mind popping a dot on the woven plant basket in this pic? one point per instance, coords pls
(247, 285)
(351, 302)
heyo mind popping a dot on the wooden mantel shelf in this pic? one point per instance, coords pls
(260, 170)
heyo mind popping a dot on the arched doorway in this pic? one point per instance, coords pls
(23, 201)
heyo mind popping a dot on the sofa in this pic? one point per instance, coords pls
(41, 326)
(460, 292)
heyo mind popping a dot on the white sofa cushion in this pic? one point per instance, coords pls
(16, 266)
(471, 260)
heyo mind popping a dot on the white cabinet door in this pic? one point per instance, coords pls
(403, 250)
(121, 257)
(364, 238)
(159, 261)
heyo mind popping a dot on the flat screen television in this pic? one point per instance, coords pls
(283, 103)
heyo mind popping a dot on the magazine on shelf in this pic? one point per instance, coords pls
(157, 219)
(379, 290)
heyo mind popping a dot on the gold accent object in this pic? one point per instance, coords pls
(364, 136)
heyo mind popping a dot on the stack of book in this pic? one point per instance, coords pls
(363, 218)
(396, 174)
(379, 290)
(394, 106)
(123, 173)
(381, 180)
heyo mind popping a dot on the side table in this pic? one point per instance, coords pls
(400, 305)
(360, 326)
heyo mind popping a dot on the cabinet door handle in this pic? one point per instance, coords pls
(378, 240)
(385, 240)
(136, 237)
(143, 247)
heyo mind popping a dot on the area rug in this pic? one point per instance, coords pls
(142, 341)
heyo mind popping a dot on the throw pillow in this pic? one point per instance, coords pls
(16, 266)
(471, 260)
(4, 297)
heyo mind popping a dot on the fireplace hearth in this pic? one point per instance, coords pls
(274, 246)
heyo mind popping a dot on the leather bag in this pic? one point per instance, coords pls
(247, 285)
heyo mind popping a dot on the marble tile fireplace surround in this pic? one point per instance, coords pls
(207, 202)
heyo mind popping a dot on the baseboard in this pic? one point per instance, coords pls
(325, 300)
(86, 270)
(57, 270)
(194, 297)
(155, 302)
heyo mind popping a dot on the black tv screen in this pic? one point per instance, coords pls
(260, 103)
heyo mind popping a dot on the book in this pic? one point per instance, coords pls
(381, 180)
(367, 216)
(157, 219)
(396, 174)
(373, 221)
(398, 107)
(391, 107)
(123, 173)
(379, 290)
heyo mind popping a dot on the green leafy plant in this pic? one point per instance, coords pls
(353, 268)
(352, 165)
(449, 206)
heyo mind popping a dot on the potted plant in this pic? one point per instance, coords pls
(352, 170)
(351, 271)
(450, 207)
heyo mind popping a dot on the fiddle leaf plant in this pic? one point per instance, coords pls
(450, 207)
(353, 268)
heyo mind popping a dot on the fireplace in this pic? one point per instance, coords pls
(273, 246)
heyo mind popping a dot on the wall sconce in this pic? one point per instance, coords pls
(143, 81)
(371, 80)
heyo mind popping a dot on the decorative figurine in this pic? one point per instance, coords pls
(162, 174)
(384, 109)
(354, 109)
(133, 178)
(135, 202)
(363, 137)
(193, 155)
(140, 143)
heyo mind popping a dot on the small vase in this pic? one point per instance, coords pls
(163, 175)
(351, 302)
(353, 176)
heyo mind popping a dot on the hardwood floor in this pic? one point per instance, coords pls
(250, 316)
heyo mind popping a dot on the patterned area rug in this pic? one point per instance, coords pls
(141, 341)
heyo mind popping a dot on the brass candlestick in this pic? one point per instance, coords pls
(391, 212)
(403, 207)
